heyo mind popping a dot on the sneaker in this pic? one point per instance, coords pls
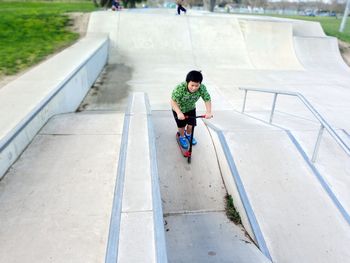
(188, 136)
(183, 142)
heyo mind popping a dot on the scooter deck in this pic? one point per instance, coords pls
(187, 152)
(184, 152)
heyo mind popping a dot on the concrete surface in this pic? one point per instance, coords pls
(197, 228)
(288, 178)
(152, 50)
(136, 242)
(208, 237)
(187, 187)
(56, 200)
(136, 232)
(136, 239)
(312, 55)
(332, 162)
(110, 91)
(28, 102)
(270, 45)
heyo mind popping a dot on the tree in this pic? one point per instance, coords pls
(337, 7)
(209, 4)
(126, 3)
(192, 3)
(131, 3)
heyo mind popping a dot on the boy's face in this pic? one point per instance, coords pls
(193, 86)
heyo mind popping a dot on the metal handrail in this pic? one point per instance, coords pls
(323, 122)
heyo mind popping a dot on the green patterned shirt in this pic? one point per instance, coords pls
(187, 100)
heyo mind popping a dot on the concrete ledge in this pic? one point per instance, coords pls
(136, 231)
(236, 189)
(56, 86)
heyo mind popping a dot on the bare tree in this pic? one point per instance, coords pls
(209, 4)
(337, 7)
(106, 3)
(126, 3)
(195, 2)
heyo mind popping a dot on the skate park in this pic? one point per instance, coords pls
(94, 174)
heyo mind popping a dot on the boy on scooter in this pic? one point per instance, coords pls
(183, 103)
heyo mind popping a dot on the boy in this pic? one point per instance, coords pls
(183, 103)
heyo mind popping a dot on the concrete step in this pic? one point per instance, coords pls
(197, 228)
(291, 207)
(55, 201)
(208, 237)
(137, 227)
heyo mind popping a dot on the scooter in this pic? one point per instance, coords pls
(187, 152)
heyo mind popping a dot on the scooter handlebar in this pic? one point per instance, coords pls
(194, 117)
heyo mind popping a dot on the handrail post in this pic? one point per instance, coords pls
(245, 98)
(273, 107)
(317, 145)
(324, 124)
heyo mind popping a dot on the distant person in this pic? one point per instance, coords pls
(116, 5)
(180, 7)
(183, 103)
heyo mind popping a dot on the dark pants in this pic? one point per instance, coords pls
(180, 8)
(189, 121)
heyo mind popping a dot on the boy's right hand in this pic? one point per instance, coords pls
(180, 116)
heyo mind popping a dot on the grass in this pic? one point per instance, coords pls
(231, 211)
(29, 31)
(330, 25)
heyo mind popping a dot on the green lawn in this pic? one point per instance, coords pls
(330, 25)
(29, 31)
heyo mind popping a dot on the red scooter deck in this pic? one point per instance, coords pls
(184, 152)
(187, 152)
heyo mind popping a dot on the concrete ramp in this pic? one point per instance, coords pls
(320, 53)
(187, 187)
(332, 162)
(197, 229)
(345, 136)
(307, 29)
(163, 40)
(270, 44)
(218, 43)
(56, 199)
(296, 216)
(233, 51)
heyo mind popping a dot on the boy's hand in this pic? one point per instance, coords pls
(180, 116)
(208, 115)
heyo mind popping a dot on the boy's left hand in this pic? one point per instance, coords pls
(208, 115)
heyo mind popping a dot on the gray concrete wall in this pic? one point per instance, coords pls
(55, 86)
